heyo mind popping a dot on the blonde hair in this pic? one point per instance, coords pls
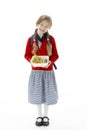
(44, 17)
(49, 45)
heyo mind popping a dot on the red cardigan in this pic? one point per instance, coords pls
(42, 51)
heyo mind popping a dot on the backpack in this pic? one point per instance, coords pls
(31, 41)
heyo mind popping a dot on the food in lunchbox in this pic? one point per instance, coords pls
(44, 60)
(38, 59)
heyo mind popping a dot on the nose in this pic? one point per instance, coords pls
(43, 28)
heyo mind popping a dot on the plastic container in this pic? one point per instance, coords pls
(42, 62)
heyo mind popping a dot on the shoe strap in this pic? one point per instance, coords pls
(39, 118)
(46, 118)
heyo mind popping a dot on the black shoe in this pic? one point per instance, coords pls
(45, 123)
(39, 123)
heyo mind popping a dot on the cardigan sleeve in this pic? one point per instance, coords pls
(55, 54)
(27, 54)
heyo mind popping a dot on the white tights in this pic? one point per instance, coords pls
(45, 110)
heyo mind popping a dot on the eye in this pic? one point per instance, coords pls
(41, 24)
(46, 26)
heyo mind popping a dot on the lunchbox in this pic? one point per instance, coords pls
(39, 61)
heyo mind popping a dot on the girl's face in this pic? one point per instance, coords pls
(43, 27)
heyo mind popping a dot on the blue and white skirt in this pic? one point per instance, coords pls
(42, 87)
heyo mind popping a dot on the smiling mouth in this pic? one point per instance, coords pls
(41, 30)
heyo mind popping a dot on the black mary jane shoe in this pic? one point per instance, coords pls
(45, 121)
(39, 123)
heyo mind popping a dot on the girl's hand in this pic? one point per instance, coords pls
(49, 63)
(31, 62)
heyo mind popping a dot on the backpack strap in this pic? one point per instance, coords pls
(31, 39)
(55, 66)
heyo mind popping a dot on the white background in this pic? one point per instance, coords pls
(17, 23)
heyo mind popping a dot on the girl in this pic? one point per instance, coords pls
(42, 88)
